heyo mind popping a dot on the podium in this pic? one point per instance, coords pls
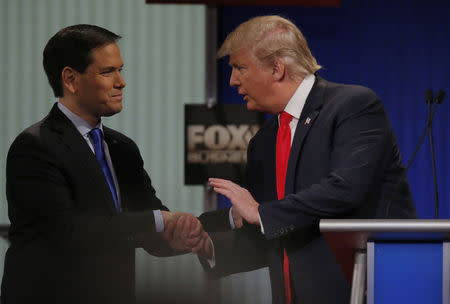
(392, 261)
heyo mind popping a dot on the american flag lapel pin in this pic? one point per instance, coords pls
(307, 121)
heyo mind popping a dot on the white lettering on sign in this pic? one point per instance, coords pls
(219, 143)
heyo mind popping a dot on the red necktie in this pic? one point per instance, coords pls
(282, 157)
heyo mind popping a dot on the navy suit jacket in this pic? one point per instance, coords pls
(344, 163)
(68, 244)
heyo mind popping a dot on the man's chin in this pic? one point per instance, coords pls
(251, 106)
(112, 111)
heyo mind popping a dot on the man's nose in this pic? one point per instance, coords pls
(120, 82)
(234, 79)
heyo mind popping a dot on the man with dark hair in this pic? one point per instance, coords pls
(72, 47)
(79, 198)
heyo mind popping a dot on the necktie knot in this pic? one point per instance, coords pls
(96, 135)
(285, 118)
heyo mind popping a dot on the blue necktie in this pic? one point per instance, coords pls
(97, 137)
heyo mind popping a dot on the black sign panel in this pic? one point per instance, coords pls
(216, 141)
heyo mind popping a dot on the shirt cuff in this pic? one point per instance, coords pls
(159, 221)
(260, 223)
(230, 216)
(212, 261)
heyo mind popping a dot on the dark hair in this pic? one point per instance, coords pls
(72, 46)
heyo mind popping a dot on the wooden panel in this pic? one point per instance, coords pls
(322, 3)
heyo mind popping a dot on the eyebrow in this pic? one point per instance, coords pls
(110, 68)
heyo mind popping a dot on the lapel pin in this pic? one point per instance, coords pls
(307, 121)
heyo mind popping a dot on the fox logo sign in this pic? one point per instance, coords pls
(219, 143)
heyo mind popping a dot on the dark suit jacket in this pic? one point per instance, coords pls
(344, 163)
(68, 244)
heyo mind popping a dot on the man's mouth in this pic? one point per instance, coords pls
(117, 97)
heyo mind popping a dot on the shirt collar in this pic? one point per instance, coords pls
(82, 126)
(298, 100)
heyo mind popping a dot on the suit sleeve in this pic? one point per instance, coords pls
(42, 205)
(237, 251)
(362, 135)
(216, 221)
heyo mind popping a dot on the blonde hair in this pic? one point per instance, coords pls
(270, 38)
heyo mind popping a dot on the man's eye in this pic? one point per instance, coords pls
(107, 71)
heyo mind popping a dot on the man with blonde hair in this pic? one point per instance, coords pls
(329, 151)
(270, 38)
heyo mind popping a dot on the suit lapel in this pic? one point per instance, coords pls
(271, 154)
(308, 116)
(75, 145)
(264, 165)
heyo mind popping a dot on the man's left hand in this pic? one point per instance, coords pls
(241, 199)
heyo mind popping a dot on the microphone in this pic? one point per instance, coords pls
(429, 96)
(438, 100)
(440, 96)
(428, 128)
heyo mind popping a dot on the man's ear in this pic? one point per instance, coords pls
(278, 70)
(69, 78)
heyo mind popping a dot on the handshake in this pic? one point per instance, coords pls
(184, 233)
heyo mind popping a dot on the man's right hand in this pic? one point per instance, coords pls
(170, 217)
(182, 231)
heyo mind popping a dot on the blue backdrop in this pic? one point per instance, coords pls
(397, 48)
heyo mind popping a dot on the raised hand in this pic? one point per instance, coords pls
(241, 199)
